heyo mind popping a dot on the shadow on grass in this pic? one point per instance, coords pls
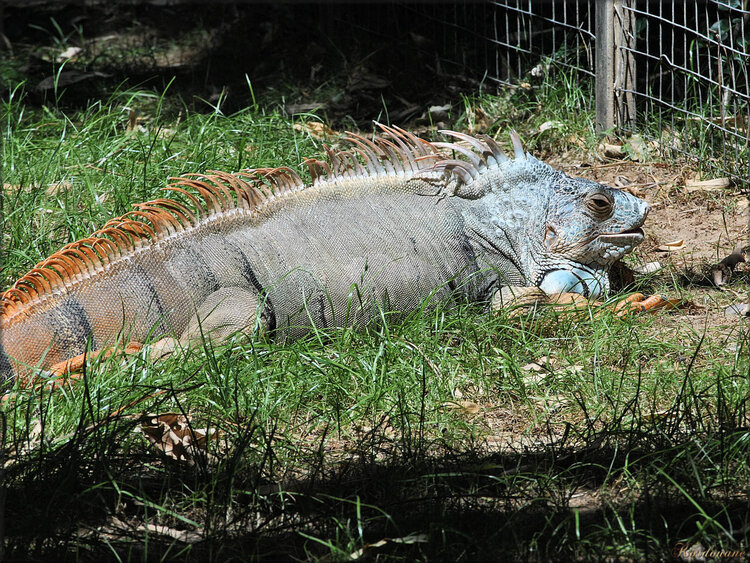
(633, 496)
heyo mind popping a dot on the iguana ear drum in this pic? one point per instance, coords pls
(575, 280)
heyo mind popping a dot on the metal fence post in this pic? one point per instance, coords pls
(615, 66)
(605, 65)
(624, 46)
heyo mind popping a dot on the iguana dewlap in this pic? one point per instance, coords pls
(384, 225)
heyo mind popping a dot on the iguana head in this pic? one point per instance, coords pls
(560, 233)
(587, 228)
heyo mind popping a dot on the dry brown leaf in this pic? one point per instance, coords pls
(315, 129)
(549, 362)
(722, 272)
(554, 124)
(659, 415)
(715, 185)
(468, 407)
(17, 187)
(172, 434)
(671, 246)
(33, 440)
(552, 402)
(720, 275)
(57, 187)
(648, 268)
(132, 120)
(533, 366)
(68, 53)
(165, 133)
(625, 183)
(408, 540)
(135, 122)
(533, 378)
(296, 109)
(611, 151)
(481, 121)
(184, 536)
(439, 113)
(51, 189)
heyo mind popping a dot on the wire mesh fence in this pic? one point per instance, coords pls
(673, 70)
(692, 80)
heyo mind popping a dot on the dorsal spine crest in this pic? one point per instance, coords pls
(214, 195)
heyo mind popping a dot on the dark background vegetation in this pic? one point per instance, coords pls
(352, 61)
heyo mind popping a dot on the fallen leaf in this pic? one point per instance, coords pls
(68, 53)
(184, 536)
(67, 78)
(722, 272)
(547, 125)
(623, 182)
(671, 246)
(738, 310)
(296, 109)
(132, 120)
(534, 378)
(715, 185)
(720, 275)
(25, 446)
(367, 81)
(612, 151)
(481, 121)
(172, 434)
(57, 187)
(467, 407)
(407, 540)
(648, 268)
(315, 129)
(440, 113)
(552, 403)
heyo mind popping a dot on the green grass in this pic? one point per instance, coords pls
(430, 432)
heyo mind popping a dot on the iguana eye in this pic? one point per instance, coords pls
(600, 205)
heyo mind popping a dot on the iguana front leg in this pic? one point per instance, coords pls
(524, 299)
(224, 313)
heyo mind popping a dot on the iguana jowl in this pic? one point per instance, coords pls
(388, 223)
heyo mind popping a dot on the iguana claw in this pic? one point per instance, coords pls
(522, 300)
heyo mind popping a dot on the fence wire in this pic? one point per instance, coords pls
(692, 80)
(690, 85)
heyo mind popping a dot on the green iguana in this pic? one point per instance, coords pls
(386, 225)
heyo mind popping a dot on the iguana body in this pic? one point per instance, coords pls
(386, 229)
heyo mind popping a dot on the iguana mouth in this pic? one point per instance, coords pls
(636, 235)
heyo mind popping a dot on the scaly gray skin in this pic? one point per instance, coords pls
(390, 228)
